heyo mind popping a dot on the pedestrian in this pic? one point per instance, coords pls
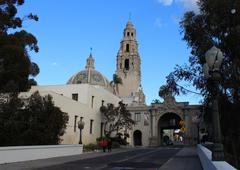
(104, 144)
(109, 146)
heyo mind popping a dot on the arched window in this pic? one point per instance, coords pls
(127, 47)
(126, 64)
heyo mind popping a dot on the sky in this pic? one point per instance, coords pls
(66, 31)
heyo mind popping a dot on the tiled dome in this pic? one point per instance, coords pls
(89, 75)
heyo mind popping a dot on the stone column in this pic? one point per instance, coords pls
(154, 137)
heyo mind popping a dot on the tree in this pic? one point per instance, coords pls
(115, 82)
(15, 63)
(32, 121)
(218, 25)
(116, 119)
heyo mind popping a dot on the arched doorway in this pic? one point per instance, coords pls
(169, 129)
(137, 137)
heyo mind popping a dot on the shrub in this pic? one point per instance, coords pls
(115, 144)
(90, 147)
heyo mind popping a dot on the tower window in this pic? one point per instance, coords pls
(132, 34)
(92, 101)
(75, 96)
(91, 126)
(127, 47)
(128, 34)
(137, 117)
(126, 64)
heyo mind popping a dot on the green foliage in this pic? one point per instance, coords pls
(115, 82)
(156, 101)
(120, 140)
(15, 63)
(116, 141)
(165, 90)
(33, 121)
(215, 25)
(218, 25)
(116, 118)
(115, 144)
(117, 79)
(91, 147)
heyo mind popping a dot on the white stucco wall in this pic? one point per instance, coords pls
(26, 153)
(62, 97)
(145, 129)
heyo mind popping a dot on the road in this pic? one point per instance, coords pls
(142, 158)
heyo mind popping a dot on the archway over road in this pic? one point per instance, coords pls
(168, 129)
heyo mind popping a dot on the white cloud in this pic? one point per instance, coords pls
(190, 5)
(54, 63)
(166, 2)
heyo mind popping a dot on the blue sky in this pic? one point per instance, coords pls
(67, 29)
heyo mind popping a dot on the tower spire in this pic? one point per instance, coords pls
(90, 61)
(129, 64)
(90, 50)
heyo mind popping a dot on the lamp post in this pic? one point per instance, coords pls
(1, 64)
(80, 127)
(211, 70)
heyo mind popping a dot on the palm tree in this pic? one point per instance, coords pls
(116, 81)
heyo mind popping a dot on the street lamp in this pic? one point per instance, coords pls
(80, 127)
(233, 11)
(1, 64)
(211, 70)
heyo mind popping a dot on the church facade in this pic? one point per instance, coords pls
(87, 90)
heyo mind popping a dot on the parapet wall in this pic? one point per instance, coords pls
(27, 153)
(205, 156)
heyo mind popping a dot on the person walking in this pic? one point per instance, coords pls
(104, 144)
(109, 146)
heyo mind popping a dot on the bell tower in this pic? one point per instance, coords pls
(129, 66)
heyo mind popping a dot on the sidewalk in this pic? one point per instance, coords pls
(41, 163)
(185, 159)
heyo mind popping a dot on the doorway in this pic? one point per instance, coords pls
(137, 137)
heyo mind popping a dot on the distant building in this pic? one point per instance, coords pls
(87, 90)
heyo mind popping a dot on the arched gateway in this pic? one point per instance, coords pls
(168, 129)
(165, 118)
(161, 120)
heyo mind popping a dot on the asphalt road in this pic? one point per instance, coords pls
(145, 158)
